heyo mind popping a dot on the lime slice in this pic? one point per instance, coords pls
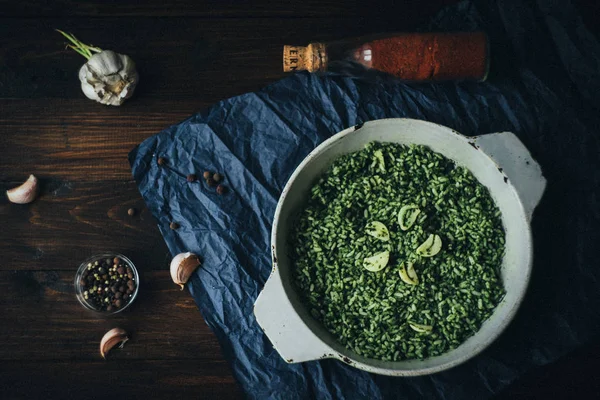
(408, 216)
(430, 247)
(376, 262)
(377, 230)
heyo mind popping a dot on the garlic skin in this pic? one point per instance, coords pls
(108, 78)
(111, 339)
(183, 266)
(25, 193)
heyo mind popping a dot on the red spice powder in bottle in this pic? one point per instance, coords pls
(409, 56)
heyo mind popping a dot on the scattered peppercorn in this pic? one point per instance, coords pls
(174, 225)
(221, 189)
(131, 212)
(217, 177)
(206, 174)
(191, 177)
(161, 161)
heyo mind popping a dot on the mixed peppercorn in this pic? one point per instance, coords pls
(108, 284)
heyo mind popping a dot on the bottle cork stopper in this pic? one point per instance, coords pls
(309, 58)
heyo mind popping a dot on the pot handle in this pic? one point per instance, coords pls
(524, 173)
(290, 336)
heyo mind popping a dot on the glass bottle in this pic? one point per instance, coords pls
(409, 56)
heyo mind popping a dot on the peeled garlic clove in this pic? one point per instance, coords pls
(408, 216)
(111, 339)
(420, 328)
(377, 230)
(108, 78)
(377, 262)
(25, 193)
(183, 266)
(431, 246)
(409, 275)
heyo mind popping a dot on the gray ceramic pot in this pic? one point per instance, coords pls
(498, 160)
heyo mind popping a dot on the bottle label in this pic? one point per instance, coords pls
(293, 58)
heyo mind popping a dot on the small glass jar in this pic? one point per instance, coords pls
(105, 300)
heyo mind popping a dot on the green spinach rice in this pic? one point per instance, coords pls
(398, 252)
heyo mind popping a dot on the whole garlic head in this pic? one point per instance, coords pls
(108, 77)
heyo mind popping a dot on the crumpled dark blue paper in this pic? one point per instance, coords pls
(543, 86)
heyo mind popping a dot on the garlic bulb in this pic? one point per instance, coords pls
(108, 77)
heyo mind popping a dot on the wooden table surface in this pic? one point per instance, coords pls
(190, 54)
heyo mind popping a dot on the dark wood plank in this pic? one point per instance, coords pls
(44, 321)
(128, 379)
(217, 8)
(75, 140)
(71, 221)
(177, 58)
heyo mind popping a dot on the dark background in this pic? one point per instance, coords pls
(190, 54)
